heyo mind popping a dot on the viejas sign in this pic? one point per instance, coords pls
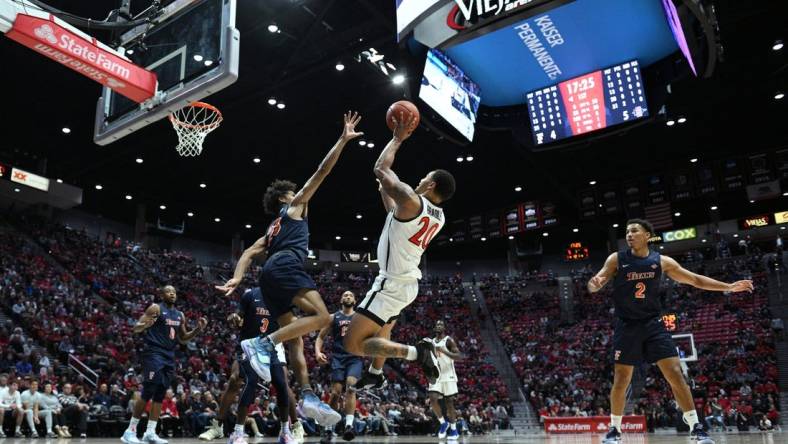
(762, 220)
(465, 12)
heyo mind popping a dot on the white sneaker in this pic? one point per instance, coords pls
(130, 437)
(237, 438)
(286, 437)
(215, 431)
(153, 438)
(298, 432)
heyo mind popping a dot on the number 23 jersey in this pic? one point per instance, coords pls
(636, 286)
(402, 242)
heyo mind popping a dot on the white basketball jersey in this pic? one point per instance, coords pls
(445, 363)
(403, 242)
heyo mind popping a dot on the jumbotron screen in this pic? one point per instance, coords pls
(587, 103)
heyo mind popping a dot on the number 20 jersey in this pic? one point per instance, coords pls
(636, 286)
(402, 242)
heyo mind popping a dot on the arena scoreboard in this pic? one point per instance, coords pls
(587, 103)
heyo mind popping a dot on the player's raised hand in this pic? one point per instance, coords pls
(229, 287)
(403, 126)
(596, 283)
(235, 320)
(322, 359)
(349, 130)
(202, 323)
(739, 286)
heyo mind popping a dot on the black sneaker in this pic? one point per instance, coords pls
(349, 433)
(427, 359)
(613, 436)
(369, 381)
(699, 434)
(328, 435)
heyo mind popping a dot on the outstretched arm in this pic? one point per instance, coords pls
(348, 133)
(147, 319)
(605, 274)
(681, 274)
(406, 201)
(257, 249)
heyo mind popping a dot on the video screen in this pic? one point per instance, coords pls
(447, 90)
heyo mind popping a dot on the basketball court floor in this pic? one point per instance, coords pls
(660, 438)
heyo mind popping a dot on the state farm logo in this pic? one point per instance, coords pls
(601, 427)
(46, 32)
(632, 426)
(574, 427)
(552, 428)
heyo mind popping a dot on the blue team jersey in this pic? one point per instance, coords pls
(286, 233)
(338, 330)
(257, 318)
(162, 337)
(636, 286)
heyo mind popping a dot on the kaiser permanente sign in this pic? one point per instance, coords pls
(679, 235)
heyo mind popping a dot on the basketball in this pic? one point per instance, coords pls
(402, 109)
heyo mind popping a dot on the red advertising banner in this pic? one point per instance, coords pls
(84, 56)
(592, 424)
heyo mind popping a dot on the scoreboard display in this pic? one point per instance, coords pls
(587, 103)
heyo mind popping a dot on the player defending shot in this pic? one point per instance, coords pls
(283, 281)
(345, 368)
(639, 333)
(253, 319)
(414, 218)
(162, 327)
(446, 386)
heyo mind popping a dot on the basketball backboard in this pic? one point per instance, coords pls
(192, 46)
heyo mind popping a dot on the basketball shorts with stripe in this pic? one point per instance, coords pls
(387, 298)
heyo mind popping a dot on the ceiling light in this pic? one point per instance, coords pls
(782, 228)
(272, 101)
(314, 263)
(202, 185)
(362, 142)
(661, 247)
(460, 159)
(575, 230)
(256, 160)
(280, 105)
(66, 130)
(511, 237)
(469, 158)
(216, 219)
(273, 28)
(677, 214)
(752, 201)
(778, 45)
(693, 160)
(682, 119)
(358, 216)
(785, 193)
(779, 96)
(370, 145)
(365, 238)
(398, 79)
(518, 189)
(128, 197)
(338, 237)
(704, 241)
(670, 123)
(16, 190)
(593, 182)
(99, 187)
(197, 58)
(162, 207)
(340, 67)
(615, 225)
(61, 181)
(714, 208)
(336, 265)
(735, 235)
(545, 234)
(208, 62)
(484, 239)
(451, 239)
(366, 266)
(130, 51)
(190, 214)
(248, 226)
(139, 160)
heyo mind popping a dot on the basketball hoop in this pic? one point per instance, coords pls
(192, 123)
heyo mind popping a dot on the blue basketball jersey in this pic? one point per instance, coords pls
(257, 318)
(162, 336)
(636, 286)
(338, 330)
(286, 233)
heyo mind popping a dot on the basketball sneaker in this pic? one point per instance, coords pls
(369, 381)
(442, 430)
(427, 359)
(349, 433)
(321, 412)
(215, 431)
(151, 437)
(298, 432)
(130, 437)
(261, 353)
(237, 438)
(453, 434)
(613, 436)
(286, 437)
(328, 436)
(699, 434)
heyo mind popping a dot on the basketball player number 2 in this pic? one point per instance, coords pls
(640, 289)
(264, 325)
(423, 237)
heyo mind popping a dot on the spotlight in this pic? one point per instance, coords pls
(469, 158)
(272, 101)
(575, 230)
(593, 182)
(272, 28)
(359, 216)
(139, 160)
(280, 105)
(682, 119)
(615, 225)
(61, 181)
(197, 58)
(670, 122)
(398, 79)
(128, 197)
(694, 160)
(362, 142)
(677, 214)
(340, 66)
(216, 219)
(202, 185)
(256, 160)
(99, 187)
(484, 239)
(511, 237)
(248, 226)
(190, 214)
(338, 237)
(545, 234)
(365, 238)
(460, 159)
(714, 208)
(779, 96)
(778, 45)
(518, 189)
(66, 130)
(162, 207)
(370, 145)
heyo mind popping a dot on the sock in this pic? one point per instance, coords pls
(691, 418)
(615, 421)
(412, 353)
(375, 371)
(349, 420)
(285, 428)
(441, 419)
(453, 425)
(306, 389)
(239, 428)
(151, 427)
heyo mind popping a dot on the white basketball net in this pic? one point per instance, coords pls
(192, 123)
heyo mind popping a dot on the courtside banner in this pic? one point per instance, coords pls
(84, 55)
(592, 424)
